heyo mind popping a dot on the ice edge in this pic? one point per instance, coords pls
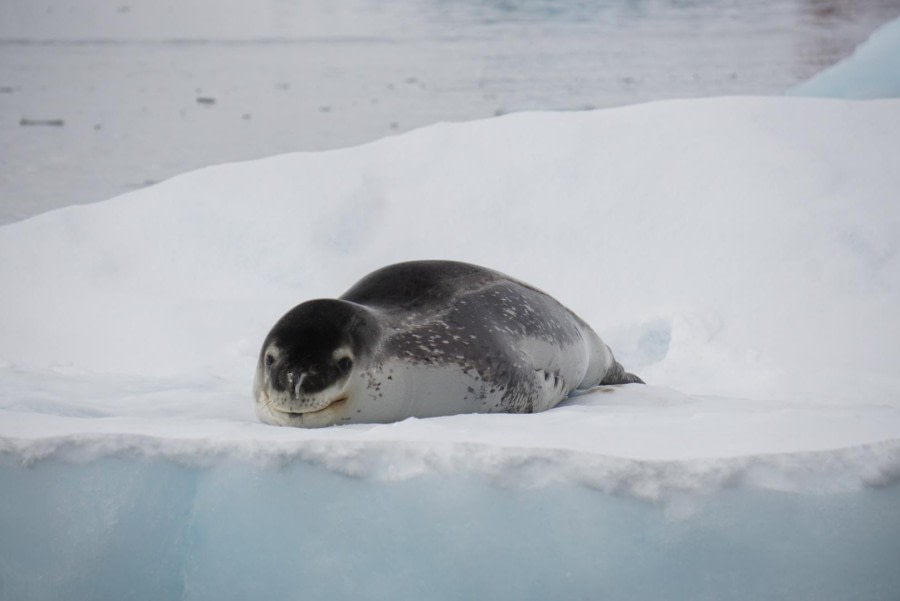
(841, 470)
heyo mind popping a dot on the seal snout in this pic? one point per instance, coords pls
(306, 366)
(294, 382)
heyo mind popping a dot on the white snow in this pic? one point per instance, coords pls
(873, 71)
(740, 247)
(729, 249)
(740, 254)
(750, 252)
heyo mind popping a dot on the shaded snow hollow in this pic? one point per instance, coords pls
(739, 254)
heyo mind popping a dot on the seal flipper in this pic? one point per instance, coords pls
(618, 375)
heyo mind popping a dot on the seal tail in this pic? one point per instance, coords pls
(618, 375)
(603, 367)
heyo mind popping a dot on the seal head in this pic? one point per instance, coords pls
(308, 360)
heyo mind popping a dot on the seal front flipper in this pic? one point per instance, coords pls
(551, 387)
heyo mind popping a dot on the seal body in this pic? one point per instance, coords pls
(424, 339)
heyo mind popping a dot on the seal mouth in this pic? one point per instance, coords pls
(335, 404)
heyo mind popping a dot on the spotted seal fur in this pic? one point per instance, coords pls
(424, 339)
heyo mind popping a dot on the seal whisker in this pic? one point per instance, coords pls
(268, 403)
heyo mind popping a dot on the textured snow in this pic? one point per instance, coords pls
(750, 253)
(873, 71)
(740, 254)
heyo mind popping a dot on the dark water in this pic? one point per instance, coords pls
(99, 98)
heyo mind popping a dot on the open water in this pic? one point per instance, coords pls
(99, 97)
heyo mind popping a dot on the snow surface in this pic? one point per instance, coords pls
(873, 71)
(740, 254)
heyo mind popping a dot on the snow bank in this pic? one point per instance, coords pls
(739, 254)
(740, 247)
(873, 71)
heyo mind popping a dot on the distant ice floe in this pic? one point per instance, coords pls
(872, 71)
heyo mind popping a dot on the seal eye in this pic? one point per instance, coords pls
(269, 360)
(344, 364)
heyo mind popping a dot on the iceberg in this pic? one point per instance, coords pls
(739, 254)
(872, 71)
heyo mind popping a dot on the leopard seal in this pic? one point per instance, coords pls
(425, 339)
